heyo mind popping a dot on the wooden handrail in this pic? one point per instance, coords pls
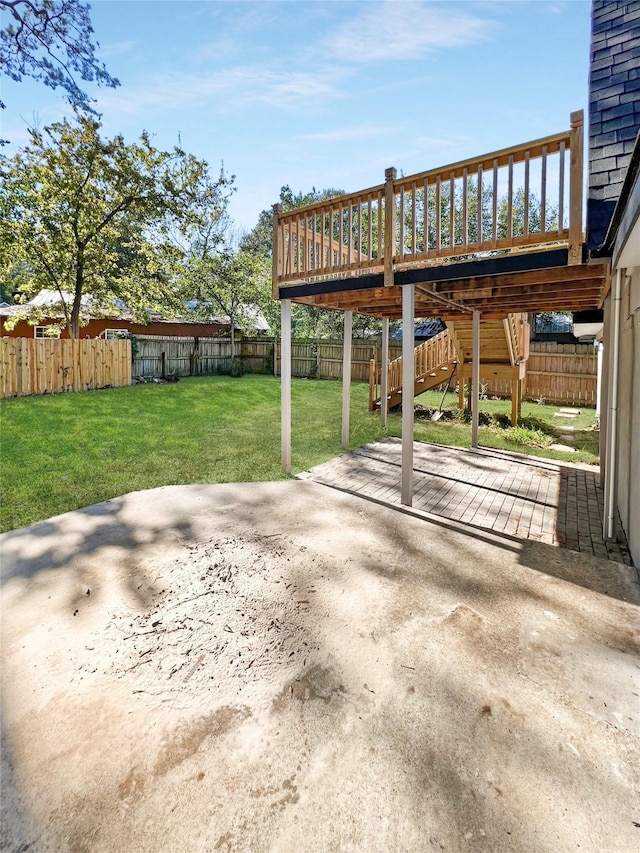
(428, 356)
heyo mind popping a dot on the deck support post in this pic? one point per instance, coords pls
(408, 378)
(515, 401)
(346, 378)
(475, 381)
(384, 374)
(285, 386)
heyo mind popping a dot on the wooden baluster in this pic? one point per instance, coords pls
(352, 253)
(341, 233)
(495, 202)
(479, 201)
(465, 224)
(380, 246)
(289, 268)
(298, 249)
(561, 188)
(425, 222)
(543, 192)
(370, 226)
(401, 250)
(526, 193)
(359, 229)
(510, 200)
(331, 262)
(438, 214)
(452, 210)
(413, 219)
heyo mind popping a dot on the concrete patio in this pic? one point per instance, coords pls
(286, 667)
(531, 498)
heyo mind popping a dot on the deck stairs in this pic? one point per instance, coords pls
(504, 350)
(434, 362)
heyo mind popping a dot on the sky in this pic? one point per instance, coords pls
(326, 93)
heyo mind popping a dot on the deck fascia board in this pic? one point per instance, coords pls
(432, 275)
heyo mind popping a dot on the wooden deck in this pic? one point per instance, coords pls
(528, 498)
(500, 233)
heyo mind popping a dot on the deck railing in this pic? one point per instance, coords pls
(428, 357)
(517, 333)
(522, 198)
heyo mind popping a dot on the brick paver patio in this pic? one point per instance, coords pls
(540, 499)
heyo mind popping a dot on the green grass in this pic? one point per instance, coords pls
(62, 452)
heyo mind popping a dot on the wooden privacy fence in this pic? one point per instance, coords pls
(208, 356)
(41, 366)
(559, 373)
(323, 359)
(187, 356)
(556, 373)
(563, 373)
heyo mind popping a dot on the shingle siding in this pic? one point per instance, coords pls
(614, 106)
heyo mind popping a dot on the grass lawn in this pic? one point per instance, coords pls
(66, 451)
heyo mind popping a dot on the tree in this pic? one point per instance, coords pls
(11, 280)
(502, 210)
(50, 40)
(306, 321)
(231, 284)
(259, 241)
(101, 219)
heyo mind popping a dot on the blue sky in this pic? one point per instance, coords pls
(327, 93)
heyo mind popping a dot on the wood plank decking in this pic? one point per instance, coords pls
(550, 502)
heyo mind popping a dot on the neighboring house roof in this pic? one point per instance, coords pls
(51, 298)
(423, 329)
(251, 312)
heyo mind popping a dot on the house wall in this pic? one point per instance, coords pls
(614, 107)
(628, 473)
(96, 327)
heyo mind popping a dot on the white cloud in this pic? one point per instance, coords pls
(236, 87)
(404, 30)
